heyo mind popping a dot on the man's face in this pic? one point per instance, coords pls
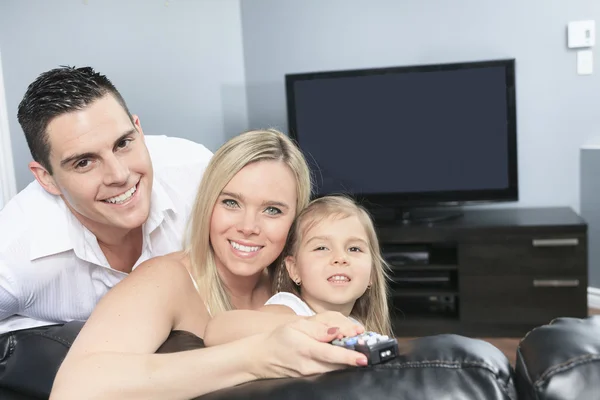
(101, 166)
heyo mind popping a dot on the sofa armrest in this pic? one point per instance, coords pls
(434, 367)
(560, 361)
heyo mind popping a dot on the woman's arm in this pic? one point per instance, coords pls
(113, 355)
(236, 324)
(233, 325)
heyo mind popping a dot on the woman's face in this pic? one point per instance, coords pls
(252, 217)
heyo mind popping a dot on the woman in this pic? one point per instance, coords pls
(251, 191)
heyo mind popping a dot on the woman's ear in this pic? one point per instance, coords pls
(290, 265)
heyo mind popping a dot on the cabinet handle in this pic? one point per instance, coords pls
(555, 242)
(556, 282)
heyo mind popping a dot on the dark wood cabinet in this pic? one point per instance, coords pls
(492, 272)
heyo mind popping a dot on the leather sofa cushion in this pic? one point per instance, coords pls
(560, 361)
(433, 367)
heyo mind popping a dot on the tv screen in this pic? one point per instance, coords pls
(418, 135)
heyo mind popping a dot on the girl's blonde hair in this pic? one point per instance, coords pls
(371, 309)
(246, 148)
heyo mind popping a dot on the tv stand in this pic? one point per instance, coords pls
(491, 272)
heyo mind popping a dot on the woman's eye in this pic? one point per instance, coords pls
(273, 210)
(230, 203)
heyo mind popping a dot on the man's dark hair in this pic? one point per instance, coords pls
(56, 92)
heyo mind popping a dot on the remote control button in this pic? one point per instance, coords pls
(371, 341)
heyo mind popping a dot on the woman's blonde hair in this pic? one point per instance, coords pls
(246, 148)
(371, 309)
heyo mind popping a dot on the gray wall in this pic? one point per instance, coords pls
(178, 64)
(557, 109)
(590, 207)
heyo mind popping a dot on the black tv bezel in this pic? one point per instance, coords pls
(438, 198)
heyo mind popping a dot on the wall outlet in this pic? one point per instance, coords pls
(581, 34)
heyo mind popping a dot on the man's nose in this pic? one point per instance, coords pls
(117, 171)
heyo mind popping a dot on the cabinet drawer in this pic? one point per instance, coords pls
(517, 299)
(525, 255)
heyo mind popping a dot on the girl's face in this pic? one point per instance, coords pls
(333, 264)
(252, 217)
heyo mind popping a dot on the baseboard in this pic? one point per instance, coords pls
(593, 297)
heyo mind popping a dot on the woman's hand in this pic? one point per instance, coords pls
(302, 348)
(339, 320)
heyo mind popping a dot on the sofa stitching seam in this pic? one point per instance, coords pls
(570, 363)
(505, 383)
(59, 339)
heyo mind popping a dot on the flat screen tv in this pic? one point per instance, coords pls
(411, 136)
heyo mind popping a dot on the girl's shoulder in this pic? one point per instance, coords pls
(292, 301)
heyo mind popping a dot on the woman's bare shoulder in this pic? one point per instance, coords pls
(173, 264)
(167, 274)
(171, 270)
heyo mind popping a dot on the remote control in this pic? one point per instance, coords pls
(378, 348)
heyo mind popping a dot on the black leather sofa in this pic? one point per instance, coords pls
(557, 361)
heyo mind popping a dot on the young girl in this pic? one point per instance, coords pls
(332, 263)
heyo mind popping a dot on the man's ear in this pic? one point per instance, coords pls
(137, 124)
(44, 178)
(290, 265)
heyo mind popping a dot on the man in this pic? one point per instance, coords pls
(105, 198)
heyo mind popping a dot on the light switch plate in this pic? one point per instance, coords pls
(581, 34)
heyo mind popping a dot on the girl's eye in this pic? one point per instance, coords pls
(273, 210)
(355, 249)
(230, 203)
(321, 248)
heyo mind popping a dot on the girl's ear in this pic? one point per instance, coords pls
(290, 265)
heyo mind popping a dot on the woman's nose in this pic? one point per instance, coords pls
(248, 225)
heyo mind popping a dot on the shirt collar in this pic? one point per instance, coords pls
(58, 230)
(51, 227)
(160, 204)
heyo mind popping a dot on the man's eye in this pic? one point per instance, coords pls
(82, 163)
(123, 143)
(230, 203)
(273, 210)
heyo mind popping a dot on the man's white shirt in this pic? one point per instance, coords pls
(51, 268)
